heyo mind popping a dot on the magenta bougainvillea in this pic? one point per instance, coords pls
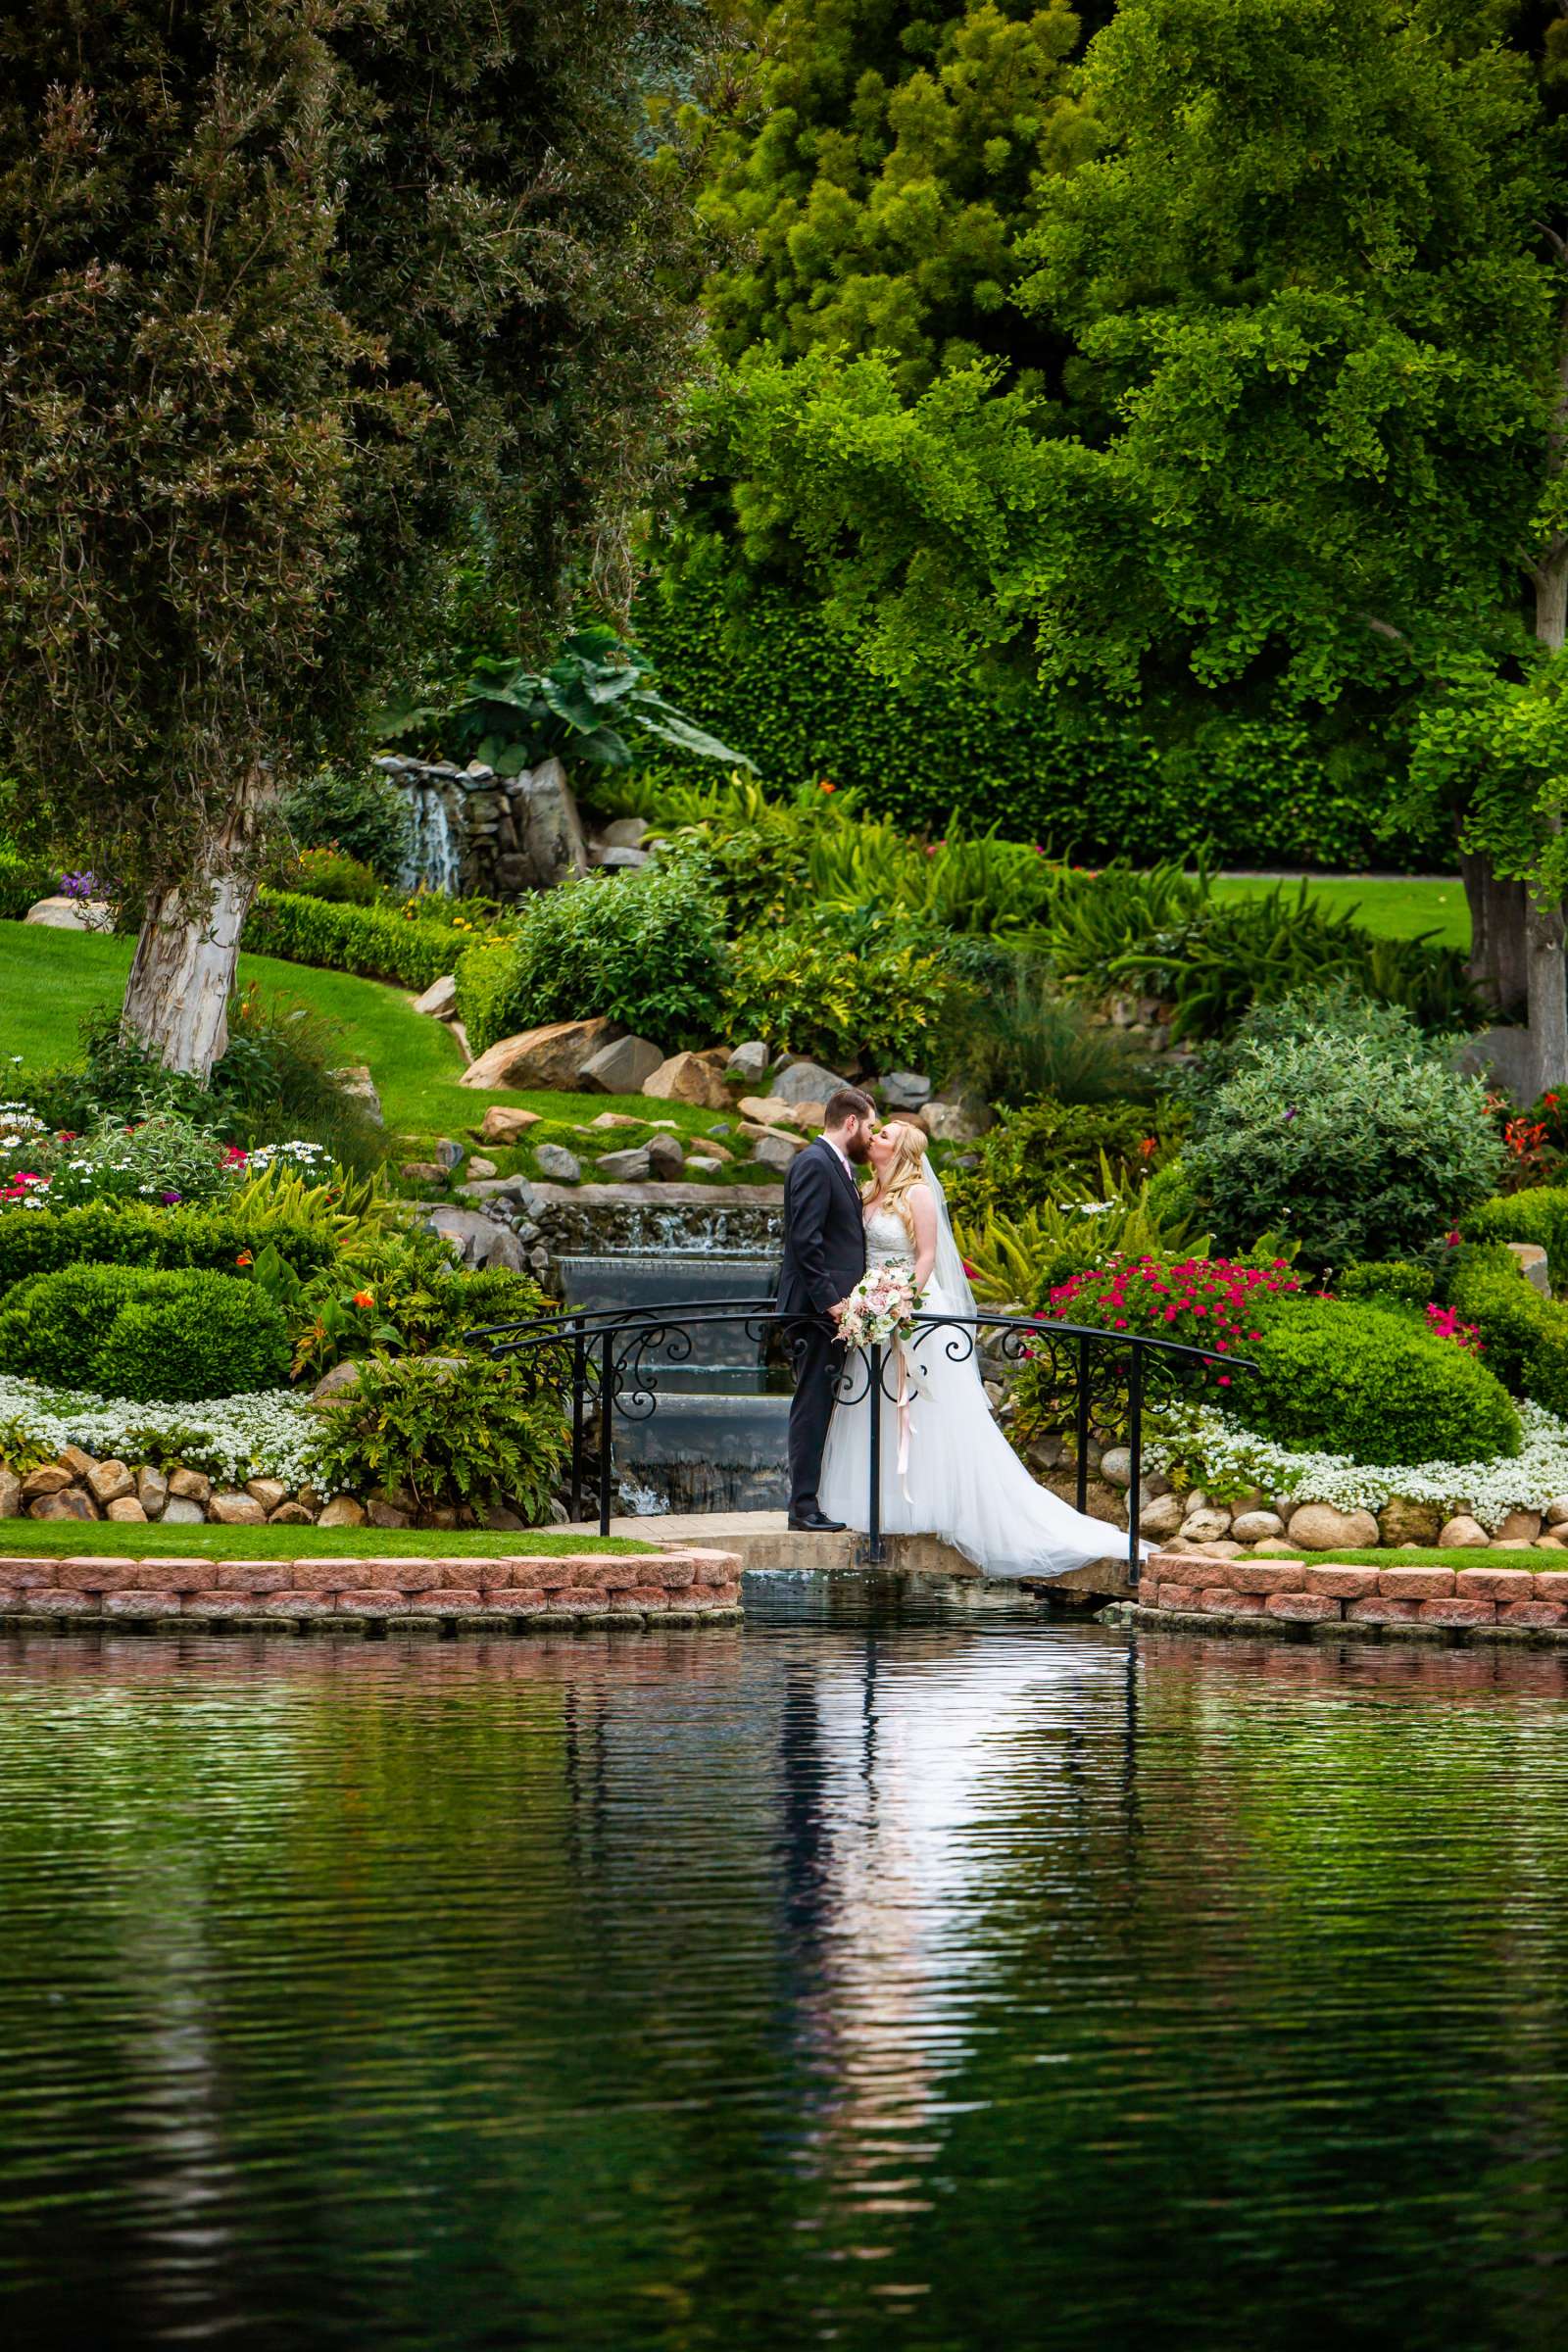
(1208, 1302)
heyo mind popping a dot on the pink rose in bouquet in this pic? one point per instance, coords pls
(881, 1308)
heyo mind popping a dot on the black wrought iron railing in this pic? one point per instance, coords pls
(606, 1364)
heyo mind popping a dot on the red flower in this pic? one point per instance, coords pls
(364, 1297)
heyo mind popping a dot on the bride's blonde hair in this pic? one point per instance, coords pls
(905, 1170)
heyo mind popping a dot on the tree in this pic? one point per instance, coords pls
(1315, 283)
(295, 295)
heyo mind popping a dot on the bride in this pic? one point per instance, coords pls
(962, 1480)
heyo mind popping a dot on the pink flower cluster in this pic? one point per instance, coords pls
(1206, 1302)
(880, 1307)
(1445, 1324)
(18, 1187)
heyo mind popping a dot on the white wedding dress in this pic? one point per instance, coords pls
(962, 1480)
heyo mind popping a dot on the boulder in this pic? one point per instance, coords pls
(1557, 1511)
(1519, 1526)
(688, 1078)
(773, 1152)
(68, 1502)
(1403, 1522)
(151, 1490)
(809, 1118)
(110, 1482)
(753, 1060)
(698, 1164)
(481, 1168)
(1117, 1465)
(1256, 1527)
(70, 914)
(233, 1510)
(558, 1165)
(386, 1514)
(666, 1161)
(624, 1167)
(355, 1079)
(959, 1121)
(440, 998)
(449, 1155)
(618, 861)
(756, 1134)
(125, 1507)
(336, 1383)
(550, 1058)
(507, 1123)
(624, 833)
(763, 1112)
(423, 1171)
(477, 1240)
(77, 1462)
(1461, 1533)
(1532, 1261)
(622, 1067)
(342, 1511)
(551, 846)
(182, 1511)
(1205, 1527)
(191, 1486)
(268, 1492)
(10, 1494)
(1319, 1527)
(1160, 1517)
(290, 1514)
(906, 1090)
(805, 1082)
(715, 1149)
(48, 1479)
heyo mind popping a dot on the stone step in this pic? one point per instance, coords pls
(763, 1539)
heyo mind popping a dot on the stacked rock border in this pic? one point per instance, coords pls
(1338, 1599)
(514, 1592)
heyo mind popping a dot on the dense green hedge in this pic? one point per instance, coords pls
(1539, 1215)
(38, 1241)
(1525, 1336)
(1082, 778)
(377, 942)
(1368, 1381)
(161, 1335)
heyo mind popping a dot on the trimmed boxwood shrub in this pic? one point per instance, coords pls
(1371, 1383)
(1525, 1336)
(39, 1240)
(1539, 1215)
(168, 1336)
(379, 943)
(644, 949)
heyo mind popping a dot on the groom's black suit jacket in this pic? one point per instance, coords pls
(824, 1233)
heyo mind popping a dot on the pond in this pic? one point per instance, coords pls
(874, 1974)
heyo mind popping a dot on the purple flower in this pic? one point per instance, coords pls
(169, 1199)
(77, 886)
(1290, 1114)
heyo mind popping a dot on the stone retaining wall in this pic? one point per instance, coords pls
(1334, 1598)
(515, 1592)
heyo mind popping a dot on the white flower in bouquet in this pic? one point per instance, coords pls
(881, 1308)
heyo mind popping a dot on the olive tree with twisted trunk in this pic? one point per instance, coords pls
(296, 295)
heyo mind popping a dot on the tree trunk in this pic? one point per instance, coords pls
(1544, 960)
(182, 973)
(1499, 914)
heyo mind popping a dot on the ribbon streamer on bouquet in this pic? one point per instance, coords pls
(902, 1409)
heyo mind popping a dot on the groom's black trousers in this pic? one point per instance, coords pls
(818, 1358)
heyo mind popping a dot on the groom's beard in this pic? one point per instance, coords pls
(858, 1150)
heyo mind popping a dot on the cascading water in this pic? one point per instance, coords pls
(433, 860)
(715, 1438)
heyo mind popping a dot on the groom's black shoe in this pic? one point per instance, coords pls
(815, 1524)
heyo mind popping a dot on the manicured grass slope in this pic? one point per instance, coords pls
(51, 980)
(1396, 907)
(56, 1539)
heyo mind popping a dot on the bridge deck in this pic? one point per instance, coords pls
(763, 1539)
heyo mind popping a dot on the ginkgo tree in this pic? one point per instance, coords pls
(1316, 287)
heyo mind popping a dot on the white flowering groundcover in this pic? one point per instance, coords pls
(1214, 1451)
(270, 1433)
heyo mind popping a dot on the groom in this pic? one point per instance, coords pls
(824, 1258)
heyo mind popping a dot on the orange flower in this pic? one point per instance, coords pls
(364, 1297)
(826, 784)
(244, 1258)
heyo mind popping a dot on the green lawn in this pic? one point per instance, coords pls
(1396, 909)
(50, 980)
(53, 1538)
(1539, 1563)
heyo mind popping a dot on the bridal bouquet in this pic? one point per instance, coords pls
(882, 1306)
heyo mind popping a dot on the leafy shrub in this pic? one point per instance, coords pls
(1390, 1280)
(445, 1433)
(1024, 1038)
(23, 882)
(850, 990)
(167, 1158)
(364, 815)
(377, 941)
(1362, 1146)
(396, 1289)
(1525, 1336)
(1372, 1383)
(126, 1331)
(1054, 1151)
(643, 948)
(331, 873)
(43, 1241)
(1540, 1216)
(278, 1081)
